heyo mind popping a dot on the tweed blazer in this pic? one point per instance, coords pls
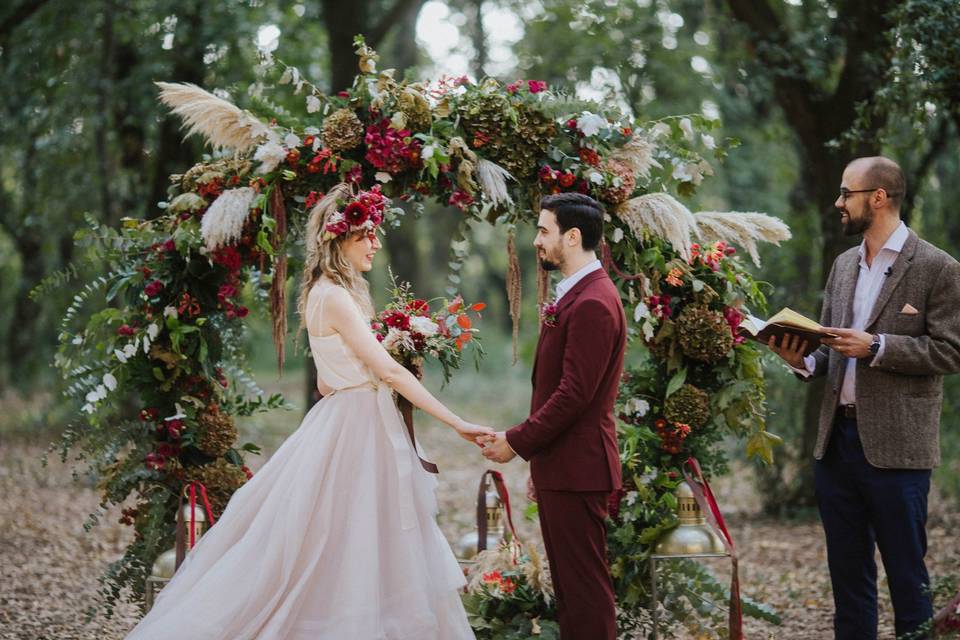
(899, 397)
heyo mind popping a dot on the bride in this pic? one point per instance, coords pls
(334, 538)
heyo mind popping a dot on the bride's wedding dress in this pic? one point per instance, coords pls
(334, 538)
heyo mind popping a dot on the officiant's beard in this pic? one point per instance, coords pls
(856, 226)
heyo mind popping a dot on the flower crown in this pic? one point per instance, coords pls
(363, 211)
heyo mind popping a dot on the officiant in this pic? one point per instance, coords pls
(891, 303)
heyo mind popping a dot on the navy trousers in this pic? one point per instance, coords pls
(863, 508)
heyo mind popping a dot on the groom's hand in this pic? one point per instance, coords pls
(498, 449)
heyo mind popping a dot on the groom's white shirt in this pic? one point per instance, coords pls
(568, 283)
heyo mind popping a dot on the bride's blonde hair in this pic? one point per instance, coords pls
(327, 259)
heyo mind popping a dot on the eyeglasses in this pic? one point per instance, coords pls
(846, 193)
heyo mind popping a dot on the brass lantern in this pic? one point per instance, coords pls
(468, 546)
(199, 518)
(692, 536)
(163, 569)
(169, 561)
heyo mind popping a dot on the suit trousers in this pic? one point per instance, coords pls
(862, 508)
(574, 530)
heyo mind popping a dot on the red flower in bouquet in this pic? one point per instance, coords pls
(410, 332)
(418, 307)
(397, 320)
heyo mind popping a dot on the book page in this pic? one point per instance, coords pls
(790, 318)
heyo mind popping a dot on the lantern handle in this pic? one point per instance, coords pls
(180, 544)
(501, 487)
(708, 504)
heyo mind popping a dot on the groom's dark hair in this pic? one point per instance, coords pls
(580, 211)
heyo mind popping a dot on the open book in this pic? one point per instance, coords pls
(784, 321)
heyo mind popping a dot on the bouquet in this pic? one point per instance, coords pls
(510, 594)
(411, 332)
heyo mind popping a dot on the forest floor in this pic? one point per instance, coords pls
(49, 566)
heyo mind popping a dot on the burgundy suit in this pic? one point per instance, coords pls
(570, 440)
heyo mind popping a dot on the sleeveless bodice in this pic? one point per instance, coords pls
(337, 365)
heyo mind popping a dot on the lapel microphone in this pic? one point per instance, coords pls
(888, 272)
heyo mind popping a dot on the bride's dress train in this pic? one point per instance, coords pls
(334, 538)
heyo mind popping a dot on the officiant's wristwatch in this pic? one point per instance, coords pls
(875, 345)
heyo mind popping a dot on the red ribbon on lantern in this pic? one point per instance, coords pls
(711, 510)
(181, 543)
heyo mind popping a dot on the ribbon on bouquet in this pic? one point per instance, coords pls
(501, 487)
(406, 412)
(711, 510)
(181, 542)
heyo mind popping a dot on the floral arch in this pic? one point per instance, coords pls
(166, 319)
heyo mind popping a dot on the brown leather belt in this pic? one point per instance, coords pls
(847, 411)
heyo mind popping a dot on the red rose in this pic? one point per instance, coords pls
(513, 87)
(536, 86)
(566, 179)
(169, 245)
(153, 288)
(242, 312)
(125, 330)
(397, 320)
(226, 291)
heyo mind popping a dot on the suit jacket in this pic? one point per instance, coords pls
(570, 437)
(899, 398)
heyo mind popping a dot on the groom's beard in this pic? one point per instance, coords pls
(855, 227)
(548, 266)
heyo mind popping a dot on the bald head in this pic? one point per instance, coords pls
(878, 172)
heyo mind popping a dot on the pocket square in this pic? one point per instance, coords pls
(909, 310)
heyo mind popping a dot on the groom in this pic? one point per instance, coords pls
(570, 437)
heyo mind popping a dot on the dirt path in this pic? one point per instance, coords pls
(49, 566)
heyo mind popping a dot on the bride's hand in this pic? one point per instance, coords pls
(472, 432)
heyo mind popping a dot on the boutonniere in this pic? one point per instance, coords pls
(548, 313)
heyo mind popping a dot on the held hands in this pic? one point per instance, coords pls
(474, 433)
(496, 447)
